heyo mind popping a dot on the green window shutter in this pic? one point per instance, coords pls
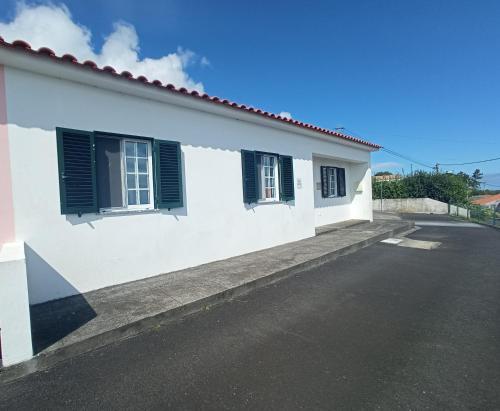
(77, 177)
(250, 181)
(287, 191)
(258, 168)
(325, 192)
(341, 182)
(168, 174)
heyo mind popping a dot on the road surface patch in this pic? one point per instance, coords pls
(420, 244)
(394, 241)
(447, 224)
(408, 242)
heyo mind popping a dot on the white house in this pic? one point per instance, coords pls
(107, 178)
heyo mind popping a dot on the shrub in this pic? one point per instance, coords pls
(446, 187)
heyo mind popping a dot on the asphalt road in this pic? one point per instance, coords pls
(385, 328)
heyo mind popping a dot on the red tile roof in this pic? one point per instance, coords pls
(45, 52)
(486, 199)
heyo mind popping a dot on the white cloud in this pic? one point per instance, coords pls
(285, 114)
(52, 26)
(205, 62)
(386, 165)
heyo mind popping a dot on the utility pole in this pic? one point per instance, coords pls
(468, 205)
(411, 169)
(437, 168)
(381, 196)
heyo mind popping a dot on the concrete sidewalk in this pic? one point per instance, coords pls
(74, 325)
(338, 226)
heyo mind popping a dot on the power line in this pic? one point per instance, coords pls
(449, 140)
(436, 167)
(392, 152)
(471, 162)
(404, 157)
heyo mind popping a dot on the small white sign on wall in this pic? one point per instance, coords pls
(299, 183)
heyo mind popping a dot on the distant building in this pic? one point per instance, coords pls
(488, 200)
(388, 177)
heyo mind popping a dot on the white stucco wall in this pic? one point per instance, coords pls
(15, 324)
(411, 205)
(358, 193)
(459, 211)
(67, 254)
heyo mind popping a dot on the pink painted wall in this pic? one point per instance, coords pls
(7, 230)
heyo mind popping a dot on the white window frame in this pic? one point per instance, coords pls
(123, 163)
(150, 204)
(332, 179)
(262, 177)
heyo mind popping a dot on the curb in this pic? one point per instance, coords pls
(45, 361)
(470, 220)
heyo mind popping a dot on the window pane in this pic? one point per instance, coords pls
(267, 178)
(143, 181)
(132, 197)
(142, 165)
(131, 165)
(130, 181)
(129, 149)
(109, 172)
(142, 150)
(144, 196)
(331, 182)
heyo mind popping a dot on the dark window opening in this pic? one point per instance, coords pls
(109, 172)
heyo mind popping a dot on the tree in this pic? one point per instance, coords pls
(476, 179)
(383, 173)
(446, 187)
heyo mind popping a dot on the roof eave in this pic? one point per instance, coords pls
(19, 50)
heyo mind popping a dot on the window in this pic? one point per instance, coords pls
(124, 173)
(101, 171)
(332, 182)
(268, 177)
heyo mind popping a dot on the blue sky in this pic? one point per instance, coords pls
(419, 77)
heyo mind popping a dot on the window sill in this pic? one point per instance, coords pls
(270, 202)
(129, 211)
